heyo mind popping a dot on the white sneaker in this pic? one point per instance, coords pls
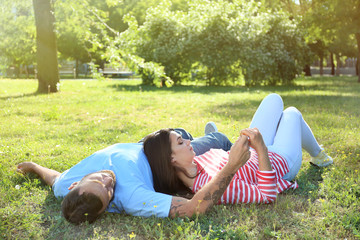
(322, 159)
(210, 127)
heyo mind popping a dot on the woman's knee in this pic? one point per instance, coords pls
(292, 111)
(275, 99)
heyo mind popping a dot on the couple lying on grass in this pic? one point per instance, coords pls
(171, 174)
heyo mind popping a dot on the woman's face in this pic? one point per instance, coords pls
(182, 151)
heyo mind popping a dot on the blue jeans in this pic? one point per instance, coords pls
(203, 144)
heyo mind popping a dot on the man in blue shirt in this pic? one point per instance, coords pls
(118, 178)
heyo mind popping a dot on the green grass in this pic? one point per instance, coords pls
(59, 130)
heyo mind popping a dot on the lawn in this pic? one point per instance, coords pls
(58, 130)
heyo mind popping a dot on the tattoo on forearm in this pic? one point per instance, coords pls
(177, 205)
(174, 208)
(216, 195)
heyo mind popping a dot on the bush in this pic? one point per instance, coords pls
(160, 40)
(226, 42)
(277, 54)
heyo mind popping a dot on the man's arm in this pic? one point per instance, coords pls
(45, 174)
(210, 194)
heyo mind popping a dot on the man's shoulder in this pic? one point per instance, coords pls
(125, 148)
(123, 157)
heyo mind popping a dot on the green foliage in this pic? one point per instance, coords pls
(224, 41)
(82, 30)
(17, 33)
(73, 30)
(217, 42)
(87, 31)
(330, 26)
(150, 72)
(121, 49)
(136, 8)
(159, 40)
(277, 54)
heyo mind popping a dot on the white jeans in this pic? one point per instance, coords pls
(285, 132)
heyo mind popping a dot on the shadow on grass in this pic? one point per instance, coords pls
(23, 95)
(308, 179)
(311, 83)
(57, 226)
(243, 111)
(202, 89)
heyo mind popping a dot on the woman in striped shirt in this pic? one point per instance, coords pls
(275, 140)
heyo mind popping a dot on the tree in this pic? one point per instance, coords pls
(46, 54)
(17, 34)
(136, 8)
(336, 23)
(358, 57)
(73, 27)
(225, 41)
(347, 13)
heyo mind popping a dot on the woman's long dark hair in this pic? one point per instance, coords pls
(157, 148)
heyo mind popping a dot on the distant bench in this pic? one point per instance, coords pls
(67, 69)
(108, 70)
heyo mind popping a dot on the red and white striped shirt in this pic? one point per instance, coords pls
(249, 185)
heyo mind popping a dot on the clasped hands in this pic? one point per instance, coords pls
(239, 152)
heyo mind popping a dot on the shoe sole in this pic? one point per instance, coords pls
(324, 165)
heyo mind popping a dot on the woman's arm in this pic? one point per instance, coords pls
(263, 191)
(45, 174)
(213, 190)
(257, 143)
(265, 175)
(267, 186)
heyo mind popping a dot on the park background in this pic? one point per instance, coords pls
(77, 76)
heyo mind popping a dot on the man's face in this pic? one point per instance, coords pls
(101, 184)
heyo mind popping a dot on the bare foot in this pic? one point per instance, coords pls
(26, 167)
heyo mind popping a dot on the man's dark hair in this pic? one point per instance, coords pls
(78, 208)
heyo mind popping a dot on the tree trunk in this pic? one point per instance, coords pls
(27, 71)
(77, 68)
(332, 63)
(337, 73)
(17, 70)
(46, 53)
(307, 70)
(358, 58)
(321, 65)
